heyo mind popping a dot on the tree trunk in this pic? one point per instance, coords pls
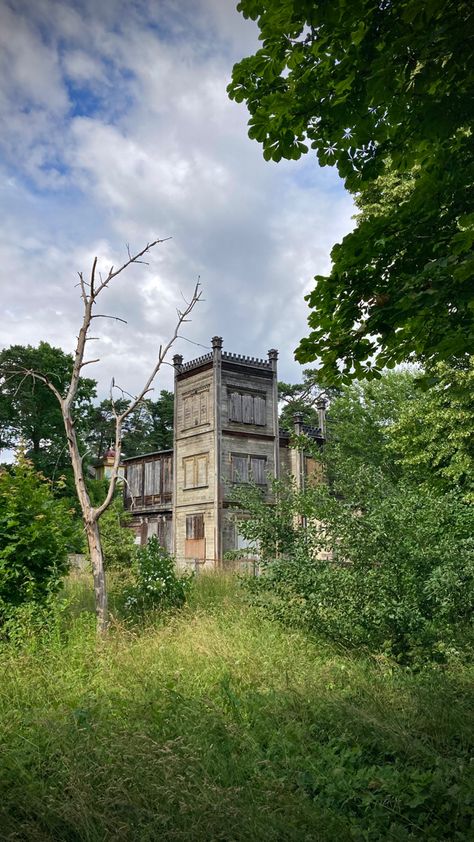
(97, 561)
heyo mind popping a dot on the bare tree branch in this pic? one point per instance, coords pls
(90, 514)
(103, 316)
(119, 418)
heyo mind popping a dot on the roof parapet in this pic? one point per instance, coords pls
(195, 363)
(243, 360)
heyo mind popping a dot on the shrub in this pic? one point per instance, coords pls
(156, 583)
(401, 575)
(35, 534)
(118, 542)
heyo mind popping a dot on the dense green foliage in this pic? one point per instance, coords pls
(219, 725)
(147, 429)
(302, 398)
(30, 412)
(382, 555)
(384, 91)
(392, 569)
(118, 541)
(359, 424)
(36, 532)
(156, 582)
(432, 436)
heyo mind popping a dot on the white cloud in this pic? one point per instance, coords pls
(119, 129)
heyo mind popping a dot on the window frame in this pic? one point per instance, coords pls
(246, 406)
(194, 460)
(248, 478)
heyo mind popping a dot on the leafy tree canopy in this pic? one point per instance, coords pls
(384, 91)
(302, 398)
(148, 428)
(432, 435)
(36, 532)
(408, 425)
(28, 409)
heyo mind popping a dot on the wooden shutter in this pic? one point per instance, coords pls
(189, 472)
(240, 471)
(149, 477)
(257, 470)
(167, 475)
(247, 409)
(157, 476)
(194, 527)
(259, 411)
(195, 418)
(201, 470)
(235, 407)
(134, 479)
(187, 404)
(203, 408)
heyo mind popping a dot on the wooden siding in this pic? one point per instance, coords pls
(149, 481)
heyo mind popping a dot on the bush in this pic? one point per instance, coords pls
(400, 578)
(35, 534)
(156, 584)
(118, 542)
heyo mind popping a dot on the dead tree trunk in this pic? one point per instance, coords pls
(90, 291)
(98, 573)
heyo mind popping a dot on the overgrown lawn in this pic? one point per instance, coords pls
(216, 724)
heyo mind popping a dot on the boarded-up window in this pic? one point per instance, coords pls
(195, 418)
(167, 468)
(187, 411)
(201, 470)
(247, 409)
(189, 472)
(195, 471)
(194, 527)
(257, 470)
(249, 468)
(134, 480)
(235, 407)
(195, 409)
(259, 411)
(240, 468)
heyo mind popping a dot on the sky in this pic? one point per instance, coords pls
(117, 129)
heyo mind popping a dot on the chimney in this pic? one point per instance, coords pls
(321, 407)
(298, 422)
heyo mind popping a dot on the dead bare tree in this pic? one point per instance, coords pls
(90, 291)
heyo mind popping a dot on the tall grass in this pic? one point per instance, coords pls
(220, 725)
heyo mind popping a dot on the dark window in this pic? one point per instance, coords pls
(194, 526)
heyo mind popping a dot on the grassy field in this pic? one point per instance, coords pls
(219, 725)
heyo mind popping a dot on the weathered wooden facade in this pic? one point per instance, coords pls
(225, 432)
(148, 494)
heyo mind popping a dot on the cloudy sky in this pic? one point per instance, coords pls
(116, 128)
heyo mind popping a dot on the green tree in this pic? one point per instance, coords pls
(36, 532)
(391, 569)
(29, 411)
(384, 91)
(360, 423)
(302, 398)
(118, 541)
(431, 438)
(148, 428)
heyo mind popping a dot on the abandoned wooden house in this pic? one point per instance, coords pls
(225, 432)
